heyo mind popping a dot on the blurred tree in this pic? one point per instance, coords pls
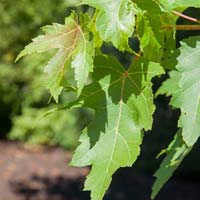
(23, 98)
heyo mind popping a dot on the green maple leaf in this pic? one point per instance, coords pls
(123, 105)
(115, 21)
(74, 50)
(184, 86)
(176, 152)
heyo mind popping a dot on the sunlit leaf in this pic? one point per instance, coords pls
(115, 21)
(184, 86)
(74, 50)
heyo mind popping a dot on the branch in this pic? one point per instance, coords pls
(185, 17)
(183, 27)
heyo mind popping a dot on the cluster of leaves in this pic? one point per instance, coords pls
(122, 98)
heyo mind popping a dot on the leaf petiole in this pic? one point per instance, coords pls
(186, 16)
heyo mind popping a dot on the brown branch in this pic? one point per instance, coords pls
(185, 16)
(183, 27)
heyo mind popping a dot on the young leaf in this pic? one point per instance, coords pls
(115, 21)
(184, 84)
(176, 152)
(74, 50)
(123, 105)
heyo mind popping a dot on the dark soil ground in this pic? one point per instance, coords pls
(28, 173)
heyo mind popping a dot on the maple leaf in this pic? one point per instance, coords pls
(74, 50)
(184, 84)
(115, 21)
(123, 105)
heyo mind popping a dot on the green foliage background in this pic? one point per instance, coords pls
(23, 97)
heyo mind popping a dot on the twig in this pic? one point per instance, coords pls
(185, 16)
(183, 27)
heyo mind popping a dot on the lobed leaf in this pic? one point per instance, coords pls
(123, 105)
(75, 50)
(184, 84)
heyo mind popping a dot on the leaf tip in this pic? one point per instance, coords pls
(19, 56)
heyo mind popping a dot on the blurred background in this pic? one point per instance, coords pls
(34, 153)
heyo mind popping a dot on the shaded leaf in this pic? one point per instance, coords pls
(123, 105)
(149, 28)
